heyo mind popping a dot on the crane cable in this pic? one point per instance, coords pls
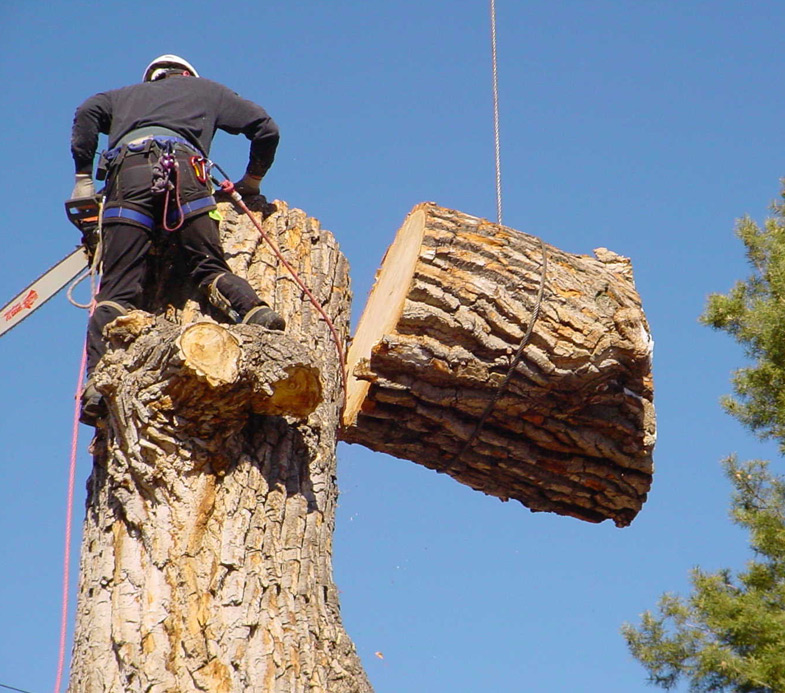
(496, 135)
(457, 465)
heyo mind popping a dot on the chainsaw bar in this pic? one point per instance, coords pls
(42, 289)
(85, 214)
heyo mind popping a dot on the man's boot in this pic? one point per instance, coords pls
(93, 405)
(235, 298)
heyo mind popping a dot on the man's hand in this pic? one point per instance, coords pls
(83, 187)
(248, 185)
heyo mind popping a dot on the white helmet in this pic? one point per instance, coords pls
(157, 69)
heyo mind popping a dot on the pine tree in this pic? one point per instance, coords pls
(729, 633)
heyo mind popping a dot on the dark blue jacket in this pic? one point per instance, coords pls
(194, 107)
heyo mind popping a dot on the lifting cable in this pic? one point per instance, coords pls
(456, 464)
(496, 136)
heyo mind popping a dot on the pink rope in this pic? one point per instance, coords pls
(69, 512)
(69, 509)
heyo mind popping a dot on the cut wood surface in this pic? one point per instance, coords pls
(574, 430)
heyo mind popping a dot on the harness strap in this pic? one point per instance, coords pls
(108, 156)
(126, 213)
(147, 221)
(146, 133)
(194, 206)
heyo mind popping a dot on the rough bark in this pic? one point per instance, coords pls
(573, 432)
(206, 556)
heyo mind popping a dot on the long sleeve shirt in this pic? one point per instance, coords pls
(193, 107)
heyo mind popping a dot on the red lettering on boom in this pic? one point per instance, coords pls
(25, 304)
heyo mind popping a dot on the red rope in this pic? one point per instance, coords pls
(228, 187)
(68, 521)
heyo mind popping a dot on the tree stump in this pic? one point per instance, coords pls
(206, 554)
(574, 430)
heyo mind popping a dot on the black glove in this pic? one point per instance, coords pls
(248, 185)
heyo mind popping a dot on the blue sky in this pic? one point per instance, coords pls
(646, 127)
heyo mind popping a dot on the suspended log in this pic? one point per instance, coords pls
(574, 428)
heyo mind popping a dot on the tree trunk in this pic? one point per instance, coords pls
(573, 431)
(206, 557)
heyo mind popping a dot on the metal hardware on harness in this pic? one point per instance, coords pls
(162, 171)
(166, 180)
(199, 165)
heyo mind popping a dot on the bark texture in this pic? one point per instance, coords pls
(206, 556)
(574, 431)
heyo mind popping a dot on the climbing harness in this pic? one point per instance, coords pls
(227, 187)
(164, 144)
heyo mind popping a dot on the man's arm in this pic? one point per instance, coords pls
(238, 115)
(94, 116)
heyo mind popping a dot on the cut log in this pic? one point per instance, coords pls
(572, 432)
(215, 375)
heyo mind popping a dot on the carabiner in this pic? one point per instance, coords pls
(199, 165)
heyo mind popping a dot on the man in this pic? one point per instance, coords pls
(160, 132)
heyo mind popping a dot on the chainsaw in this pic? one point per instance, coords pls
(85, 214)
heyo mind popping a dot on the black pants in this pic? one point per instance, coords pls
(127, 242)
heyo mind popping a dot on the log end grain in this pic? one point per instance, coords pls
(384, 306)
(296, 395)
(211, 351)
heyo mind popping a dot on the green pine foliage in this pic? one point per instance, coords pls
(729, 634)
(754, 313)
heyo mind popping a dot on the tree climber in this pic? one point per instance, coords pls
(160, 132)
